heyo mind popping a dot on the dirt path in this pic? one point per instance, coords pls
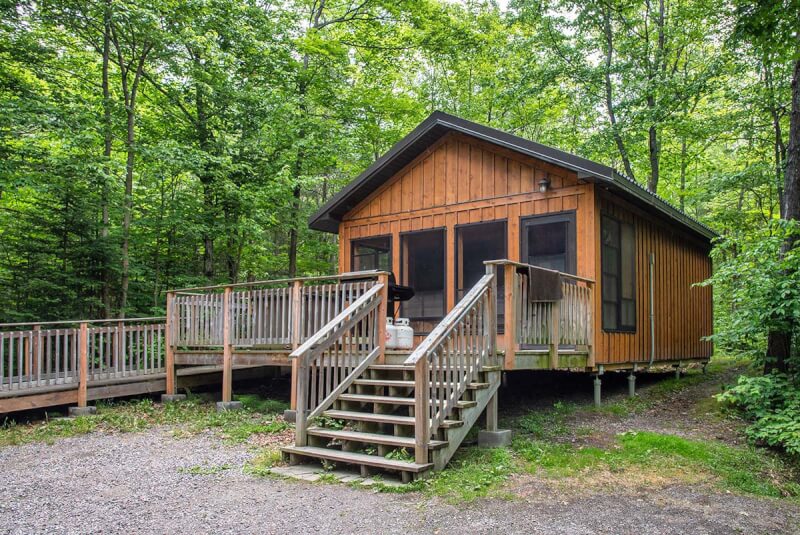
(151, 482)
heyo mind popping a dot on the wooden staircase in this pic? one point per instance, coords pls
(371, 425)
(406, 419)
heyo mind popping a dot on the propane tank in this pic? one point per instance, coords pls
(404, 333)
(391, 334)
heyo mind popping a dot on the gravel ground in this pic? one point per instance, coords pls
(138, 483)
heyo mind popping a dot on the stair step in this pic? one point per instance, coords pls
(393, 400)
(371, 438)
(384, 382)
(392, 367)
(357, 458)
(382, 418)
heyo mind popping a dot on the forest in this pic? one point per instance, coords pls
(154, 144)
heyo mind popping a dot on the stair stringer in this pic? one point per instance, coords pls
(469, 416)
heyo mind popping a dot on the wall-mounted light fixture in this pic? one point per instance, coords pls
(544, 184)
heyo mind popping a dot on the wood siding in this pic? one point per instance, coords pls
(461, 180)
(683, 314)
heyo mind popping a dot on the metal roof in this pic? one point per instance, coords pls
(328, 217)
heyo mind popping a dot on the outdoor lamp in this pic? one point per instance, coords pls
(544, 184)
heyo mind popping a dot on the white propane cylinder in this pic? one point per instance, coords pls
(391, 334)
(404, 333)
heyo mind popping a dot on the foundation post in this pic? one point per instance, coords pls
(597, 385)
(632, 385)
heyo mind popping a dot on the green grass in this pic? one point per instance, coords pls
(548, 423)
(194, 415)
(741, 469)
(200, 470)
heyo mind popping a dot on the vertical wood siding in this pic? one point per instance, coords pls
(461, 180)
(683, 314)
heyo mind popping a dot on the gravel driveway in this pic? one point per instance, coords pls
(142, 483)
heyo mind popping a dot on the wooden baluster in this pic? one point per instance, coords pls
(555, 334)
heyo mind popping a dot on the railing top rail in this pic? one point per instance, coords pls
(329, 327)
(341, 276)
(451, 320)
(78, 322)
(505, 261)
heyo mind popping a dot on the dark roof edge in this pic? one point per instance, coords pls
(586, 169)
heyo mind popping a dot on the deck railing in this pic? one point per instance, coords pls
(337, 354)
(450, 358)
(261, 315)
(35, 356)
(563, 325)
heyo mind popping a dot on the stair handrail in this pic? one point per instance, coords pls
(449, 381)
(367, 345)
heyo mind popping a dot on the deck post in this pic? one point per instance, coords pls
(169, 350)
(632, 385)
(421, 410)
(227, 356)
(590, 358)
(297, 335)
(490, 316)
(510, 320)
(37, 349)
(383, 309)
(83, 365)
(597, 386)
(555, 333)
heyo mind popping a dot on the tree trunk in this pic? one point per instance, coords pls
(206, 178)
(683, 174)
(654, 146)
(107, 146)
(779, 342)
(612, 118)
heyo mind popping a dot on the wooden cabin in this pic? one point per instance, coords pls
(521, 256)
(453, 194)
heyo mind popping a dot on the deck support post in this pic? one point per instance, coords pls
(597, 385)
(677, 372)
(83, 374)
(169, 350)
(510, 319)
(383, 312)
(632, 385)
(297, 337)
(227, 354)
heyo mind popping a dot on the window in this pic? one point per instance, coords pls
(371, 253)
(618, 257)
(423, 269)
(549, 241)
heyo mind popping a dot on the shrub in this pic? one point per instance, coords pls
(772, 402)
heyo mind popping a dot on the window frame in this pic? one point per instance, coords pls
(620, 328)
(403, 276)
(568, 216)
(462, 226)
(354, 241)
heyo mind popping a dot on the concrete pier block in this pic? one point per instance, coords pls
(494, 439)
(289, 415)
(223, 406)
(81, 411)
(171, 398)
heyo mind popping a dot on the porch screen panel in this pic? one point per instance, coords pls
(371, 253)
(474, 245)
(550, 241)
(423, 268)
(618, 259)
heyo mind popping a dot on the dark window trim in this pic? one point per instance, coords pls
(402, 274)
(456, 228)
(622, 329)
(363, 238)
(499, 273)
(554, 217)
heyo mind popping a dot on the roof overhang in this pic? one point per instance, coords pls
(438, 124)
